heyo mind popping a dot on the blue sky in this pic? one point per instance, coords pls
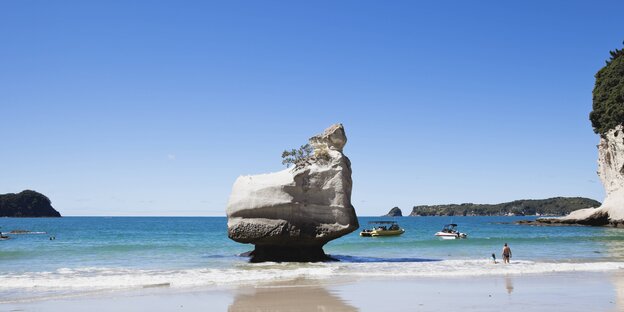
(155, 107)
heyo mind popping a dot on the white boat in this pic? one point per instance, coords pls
(450, 232)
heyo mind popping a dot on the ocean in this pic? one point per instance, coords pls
(93, 254)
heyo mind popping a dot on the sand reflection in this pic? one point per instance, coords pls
(614, 248)
(289, 297)
(509, 284)
(618, 284)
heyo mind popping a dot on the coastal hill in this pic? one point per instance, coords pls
(557, 206)
(26, 204)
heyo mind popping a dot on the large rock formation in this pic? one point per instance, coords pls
(611, 173)
(26, 204)
(289, 215)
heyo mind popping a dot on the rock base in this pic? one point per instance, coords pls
(597, 219)
(288, 254)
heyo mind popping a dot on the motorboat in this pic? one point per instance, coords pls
(450, 232)
(383, 228)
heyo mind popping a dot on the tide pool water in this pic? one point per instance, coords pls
(109, 253)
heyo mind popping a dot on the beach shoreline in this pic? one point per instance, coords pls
(164, 264)
(569, 291)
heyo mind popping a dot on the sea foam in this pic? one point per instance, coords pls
(94, 278)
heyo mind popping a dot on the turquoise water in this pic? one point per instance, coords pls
(92, 253)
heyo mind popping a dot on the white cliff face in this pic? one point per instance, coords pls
(301, 206)
(611, 173)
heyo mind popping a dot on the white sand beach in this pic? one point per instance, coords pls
(576, 291)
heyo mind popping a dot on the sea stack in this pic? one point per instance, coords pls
(289, 215)
(394, 212)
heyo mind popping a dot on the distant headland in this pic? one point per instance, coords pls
(557, 206)
(26, 204)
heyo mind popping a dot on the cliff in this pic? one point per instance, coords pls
(26, 204)
(607, 117)
(557, 206)
(611, 173)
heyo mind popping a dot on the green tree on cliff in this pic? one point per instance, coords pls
(298, 157)
(608, 94)
(305, 155)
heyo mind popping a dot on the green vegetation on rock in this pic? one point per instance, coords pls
(608, 94)
(26, 204)
(298, 157)
(557, 206)
(304, 155)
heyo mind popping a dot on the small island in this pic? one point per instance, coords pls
(557, 206)
(26, 204)
(394, 212)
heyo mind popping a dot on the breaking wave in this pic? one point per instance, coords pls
(102, 278)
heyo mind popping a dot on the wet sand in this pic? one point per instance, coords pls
(577, 291)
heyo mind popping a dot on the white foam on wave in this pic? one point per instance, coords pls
(94, 278)
(467, 268)
(107, 278)
(24, 232)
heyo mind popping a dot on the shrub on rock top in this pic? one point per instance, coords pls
(608, 94)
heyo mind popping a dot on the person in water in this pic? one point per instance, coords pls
(506, 253)
(494, 258)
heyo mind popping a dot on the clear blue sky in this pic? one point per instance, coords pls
(154, 107)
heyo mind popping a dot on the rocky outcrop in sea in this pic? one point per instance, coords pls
(394, 212)
(289, 215)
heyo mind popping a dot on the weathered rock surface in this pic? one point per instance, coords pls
(26, 204)
(394, 212)
(611, 173)
(289, 215)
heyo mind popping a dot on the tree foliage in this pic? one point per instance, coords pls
(608, 94)
(306, 155)
(298, 157)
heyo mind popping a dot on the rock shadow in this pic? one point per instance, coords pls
(278, 298)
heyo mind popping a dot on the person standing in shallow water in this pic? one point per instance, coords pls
(506, 253)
